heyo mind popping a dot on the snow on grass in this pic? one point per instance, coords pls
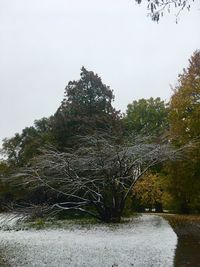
(143, 242)
(9, 221)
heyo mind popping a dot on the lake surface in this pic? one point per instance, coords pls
(145, 241)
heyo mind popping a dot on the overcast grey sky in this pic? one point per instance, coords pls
(44, 43)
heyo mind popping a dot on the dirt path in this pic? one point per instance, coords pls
(187, 229)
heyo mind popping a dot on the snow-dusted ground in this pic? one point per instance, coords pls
(10, 220)
(146, 241)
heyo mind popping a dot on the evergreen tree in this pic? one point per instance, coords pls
(85, 109)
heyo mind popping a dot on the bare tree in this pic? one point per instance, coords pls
(98, 177)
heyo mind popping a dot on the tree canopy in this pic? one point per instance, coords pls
(147, 116)
(22, 147)
(185, 103)
(184, 121)
(86, 108)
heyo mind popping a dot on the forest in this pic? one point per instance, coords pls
(90, 158)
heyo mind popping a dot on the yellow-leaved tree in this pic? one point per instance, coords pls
(184, 119)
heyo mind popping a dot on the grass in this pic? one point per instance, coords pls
(54, 223)
(70, 222)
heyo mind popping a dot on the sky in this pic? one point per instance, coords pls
(44, 44)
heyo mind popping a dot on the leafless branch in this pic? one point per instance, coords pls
(100, 174)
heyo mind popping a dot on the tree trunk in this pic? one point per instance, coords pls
(112, 215)
(158, 207)
(184, 208)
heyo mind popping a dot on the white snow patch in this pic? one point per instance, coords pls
(144, 242)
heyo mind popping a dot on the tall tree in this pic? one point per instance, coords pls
(185, 128)
(147, 116)
(185, 103)
(86, 107)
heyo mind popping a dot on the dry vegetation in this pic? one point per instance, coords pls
(184, 224)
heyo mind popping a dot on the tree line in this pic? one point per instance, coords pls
(90, 157)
